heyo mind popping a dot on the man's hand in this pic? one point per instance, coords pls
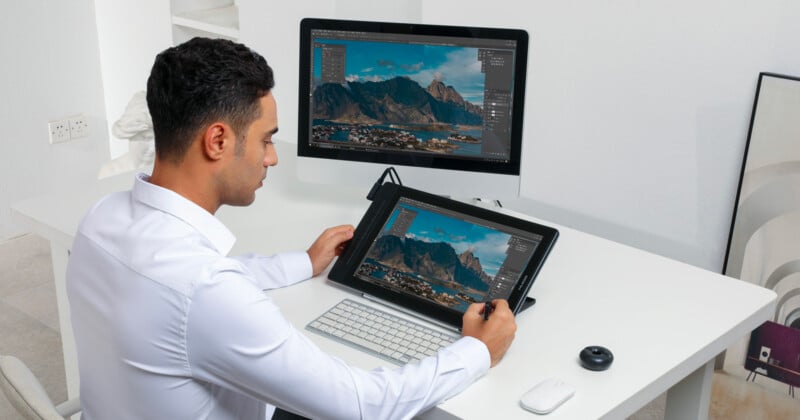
(329, 245)
(497, 332)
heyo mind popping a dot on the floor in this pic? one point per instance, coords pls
(28, 315)
(29, 330)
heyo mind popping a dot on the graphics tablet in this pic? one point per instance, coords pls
(435, 256)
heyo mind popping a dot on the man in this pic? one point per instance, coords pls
(168, 326)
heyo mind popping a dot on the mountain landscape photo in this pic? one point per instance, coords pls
(399, 100)
(459, 278)
(395, 96)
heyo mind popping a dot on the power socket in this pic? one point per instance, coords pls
(59, 131)
(78, 127)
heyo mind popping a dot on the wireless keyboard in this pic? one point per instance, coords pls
(380, 333)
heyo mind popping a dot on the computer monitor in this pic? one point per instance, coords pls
(442, 104)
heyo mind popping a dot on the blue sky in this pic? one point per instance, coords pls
(375, 61)
(487, 244)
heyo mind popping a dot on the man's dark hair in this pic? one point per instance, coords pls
(201, 81)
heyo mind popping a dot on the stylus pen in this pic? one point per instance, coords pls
(486, 309)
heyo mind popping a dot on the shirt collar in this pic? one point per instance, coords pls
(173, 203)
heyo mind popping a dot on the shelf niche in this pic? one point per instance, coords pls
(211, 19)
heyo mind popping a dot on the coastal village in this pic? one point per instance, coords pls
(364, 135)
(407, 283)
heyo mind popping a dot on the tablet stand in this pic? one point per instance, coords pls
(529, 301)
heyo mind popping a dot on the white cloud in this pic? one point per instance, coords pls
(462, 70)
(357, 78)
(412, 67)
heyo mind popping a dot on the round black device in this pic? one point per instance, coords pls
(596, 358)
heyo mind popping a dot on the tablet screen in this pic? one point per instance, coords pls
(436, 256)
(445, 257)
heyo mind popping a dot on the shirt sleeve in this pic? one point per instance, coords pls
(279, 270)
(237, 338)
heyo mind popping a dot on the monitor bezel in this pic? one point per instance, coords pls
(508, 167)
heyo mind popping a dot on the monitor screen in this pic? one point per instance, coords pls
(440, 97)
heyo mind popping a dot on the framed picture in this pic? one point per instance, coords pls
(764, 240)
(774, 352)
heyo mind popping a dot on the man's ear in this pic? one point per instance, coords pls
(216, 139)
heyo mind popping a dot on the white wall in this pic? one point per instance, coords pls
(50, 70)
(636, 112)
(130, 35)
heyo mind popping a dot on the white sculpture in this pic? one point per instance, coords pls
(136, 126)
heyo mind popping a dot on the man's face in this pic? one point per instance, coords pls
(249, 166)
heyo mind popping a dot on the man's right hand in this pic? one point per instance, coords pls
(497, 332)
(329, 245)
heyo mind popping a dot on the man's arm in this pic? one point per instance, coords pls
(276, 271)
(287, 268)
(238, 339)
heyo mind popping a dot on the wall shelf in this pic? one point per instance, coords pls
(222, 21)
(218, 19)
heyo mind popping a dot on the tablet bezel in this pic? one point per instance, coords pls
(376, 216)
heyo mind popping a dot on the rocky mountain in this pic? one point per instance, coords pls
(473, 263)
(332, 101)
(399, 101)
(434, 259)
(448, 94)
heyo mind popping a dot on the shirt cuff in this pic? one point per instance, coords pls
(296, 265)
(475, 355)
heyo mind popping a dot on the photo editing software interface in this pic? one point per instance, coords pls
(446, 257)
(413, 94)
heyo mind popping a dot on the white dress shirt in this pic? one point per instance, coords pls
(168, 326)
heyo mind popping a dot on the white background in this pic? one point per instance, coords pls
(636, 112)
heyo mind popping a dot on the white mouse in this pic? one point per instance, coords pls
(546, 396)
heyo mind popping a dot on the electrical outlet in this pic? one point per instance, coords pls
(78, 127)
(59, 131)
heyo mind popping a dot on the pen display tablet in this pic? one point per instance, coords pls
(436, 256)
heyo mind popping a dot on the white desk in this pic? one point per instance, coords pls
(664, 320)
